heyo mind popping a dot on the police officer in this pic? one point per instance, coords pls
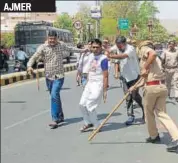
(155, 93)
(170, 58)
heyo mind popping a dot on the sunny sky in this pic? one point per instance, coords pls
(168, 9)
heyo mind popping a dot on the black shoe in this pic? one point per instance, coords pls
(60, 121)
(156, 140)
(176, 99)
(173, 146)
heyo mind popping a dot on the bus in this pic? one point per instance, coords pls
(30, 35)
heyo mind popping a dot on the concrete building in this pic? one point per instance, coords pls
(9, 20)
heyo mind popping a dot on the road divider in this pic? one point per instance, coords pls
(20, 76)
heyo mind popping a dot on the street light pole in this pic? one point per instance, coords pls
(96, 22)
(150, 26)
(89, 30)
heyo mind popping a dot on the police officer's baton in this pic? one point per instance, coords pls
(113, 110)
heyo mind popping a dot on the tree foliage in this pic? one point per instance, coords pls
(7, 39)
(64, 21)
(84, 16)
(136, 12)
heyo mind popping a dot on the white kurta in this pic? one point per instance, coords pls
(93, 91)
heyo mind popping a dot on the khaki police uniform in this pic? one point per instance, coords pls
(155, 93)
(171, 70)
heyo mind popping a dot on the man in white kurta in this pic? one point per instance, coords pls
(95, 87)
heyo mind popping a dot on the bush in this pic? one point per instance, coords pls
(7, 39)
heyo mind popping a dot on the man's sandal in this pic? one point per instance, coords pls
(86, 127)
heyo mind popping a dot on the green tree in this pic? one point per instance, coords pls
(108, 27)
(137, 13)
(84, 16)
(118, 9)
(176, 39)
(7, 39)
(64, 21)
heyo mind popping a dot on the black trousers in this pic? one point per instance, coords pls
(133, 96)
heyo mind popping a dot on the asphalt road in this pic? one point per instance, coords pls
(26, 137)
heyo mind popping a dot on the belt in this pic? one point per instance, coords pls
(155, 82)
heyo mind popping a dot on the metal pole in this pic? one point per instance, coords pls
(96, 29)
(96, 23)
(99, 22)
(89, 31)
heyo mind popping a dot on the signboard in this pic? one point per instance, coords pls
(95, 12)
(96, 15)
(95, 9)
(123, 24)
(77, 25)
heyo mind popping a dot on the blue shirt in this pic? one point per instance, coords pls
(21, 55)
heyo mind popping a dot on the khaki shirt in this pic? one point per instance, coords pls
(171, 59)
(156, 70)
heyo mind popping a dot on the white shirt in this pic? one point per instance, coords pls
(129, 67)
(84, 63)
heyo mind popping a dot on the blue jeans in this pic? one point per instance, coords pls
(54, 87)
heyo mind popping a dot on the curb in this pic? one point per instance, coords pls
(20, 76)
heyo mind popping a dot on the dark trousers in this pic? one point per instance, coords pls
(133, 96)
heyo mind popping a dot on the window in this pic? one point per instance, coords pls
(38, 33)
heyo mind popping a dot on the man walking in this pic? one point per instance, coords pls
(53, 53)
(95, 87)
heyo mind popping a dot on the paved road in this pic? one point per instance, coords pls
(26, 137)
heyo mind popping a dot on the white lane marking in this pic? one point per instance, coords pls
(24, 82)
(26, 119)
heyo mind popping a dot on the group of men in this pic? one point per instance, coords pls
(95, 70)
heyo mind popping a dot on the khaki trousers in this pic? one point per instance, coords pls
(155, 103)
(172, 82)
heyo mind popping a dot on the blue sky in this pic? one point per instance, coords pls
(168, 9)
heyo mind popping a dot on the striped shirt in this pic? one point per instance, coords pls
(53, 58)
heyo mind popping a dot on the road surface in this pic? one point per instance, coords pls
(26, 137)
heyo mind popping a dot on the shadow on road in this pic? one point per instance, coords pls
(14, 102)
(115, 87)
(65, 88)
(69, 121)
(164, 141)
(111, 143)
(104, 115)
(116, 126)
(170, 102)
